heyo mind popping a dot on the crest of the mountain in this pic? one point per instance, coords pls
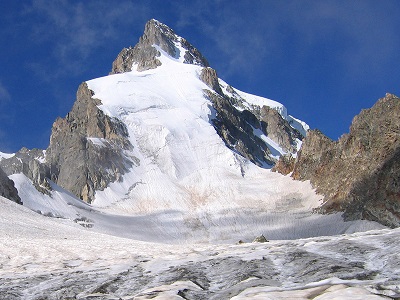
(144, 55)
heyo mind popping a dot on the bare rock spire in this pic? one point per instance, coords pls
(145, 55)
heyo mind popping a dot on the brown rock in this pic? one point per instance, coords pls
(360, 173)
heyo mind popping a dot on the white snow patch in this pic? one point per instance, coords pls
(6, 155)
(99, 142)
(276, 150)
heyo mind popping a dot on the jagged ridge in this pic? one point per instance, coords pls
(359, 173)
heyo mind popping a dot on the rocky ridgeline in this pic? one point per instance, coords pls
(237, 127)
(358, 174)
(145, 55)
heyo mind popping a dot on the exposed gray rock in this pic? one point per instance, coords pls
(239, 127)
(233, 126)
(209, 76)
(7, 188)
(278, 129)
(76, 162)
(360, 173)
(260, 239)
(144, 54)
(29, 163)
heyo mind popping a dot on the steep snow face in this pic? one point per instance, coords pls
(182, 162)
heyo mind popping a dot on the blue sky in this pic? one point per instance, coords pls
(324, 60)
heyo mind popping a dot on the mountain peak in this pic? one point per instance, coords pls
(145, 54)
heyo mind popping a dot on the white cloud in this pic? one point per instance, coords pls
(75, 30)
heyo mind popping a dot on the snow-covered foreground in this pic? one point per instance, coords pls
(285, 213)
(47, 258)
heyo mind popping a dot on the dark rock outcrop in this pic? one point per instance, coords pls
(260, 239)
(237, 132)
(144, 54)
(210, 78)
(241, 128)
(7, 188)
(360, 173)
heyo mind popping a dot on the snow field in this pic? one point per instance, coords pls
(48, 257)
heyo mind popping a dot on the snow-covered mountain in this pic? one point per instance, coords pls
(164, 142)
(154, 176)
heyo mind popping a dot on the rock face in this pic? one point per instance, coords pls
(242, 128)
(86, 150)
(7, 188)
(144, 54)
(360, 173)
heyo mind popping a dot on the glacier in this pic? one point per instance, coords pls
(50, 258)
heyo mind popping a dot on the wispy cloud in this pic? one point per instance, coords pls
(76, 30)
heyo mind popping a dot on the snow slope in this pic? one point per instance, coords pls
(5, 155)
(285, 219)
(48, 258)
